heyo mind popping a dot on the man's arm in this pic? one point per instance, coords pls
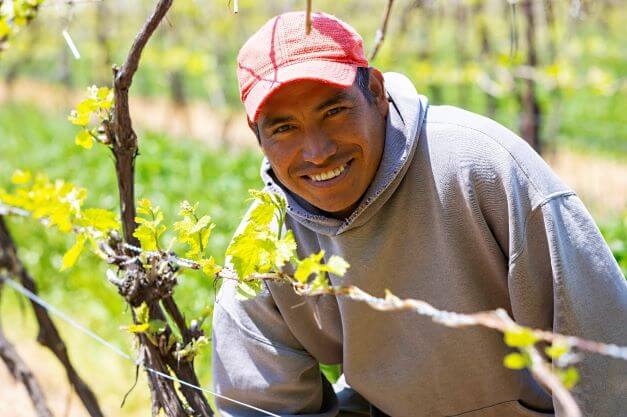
(563, 277)
(257, 360)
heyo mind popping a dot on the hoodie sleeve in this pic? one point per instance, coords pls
(257, 361)
(563, 277)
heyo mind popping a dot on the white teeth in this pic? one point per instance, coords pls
(329, 174)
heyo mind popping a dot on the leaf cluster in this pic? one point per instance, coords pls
(261, 248)
(524, 339)
(19, 14)
(60, 204)
(194, 232)
(98, 105)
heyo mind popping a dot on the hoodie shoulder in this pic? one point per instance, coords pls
(483, 148)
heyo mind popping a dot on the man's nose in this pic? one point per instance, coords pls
(318, 147)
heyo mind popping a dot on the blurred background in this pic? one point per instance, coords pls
(553, 71)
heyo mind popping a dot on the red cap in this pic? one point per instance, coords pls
(281, 52)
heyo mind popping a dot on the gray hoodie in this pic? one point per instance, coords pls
(464, 214)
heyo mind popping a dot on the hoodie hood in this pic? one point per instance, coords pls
(405, 118)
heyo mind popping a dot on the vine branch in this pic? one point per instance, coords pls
(124, 140)
(21, 372)
(382, 30)
(308, 22)
(139, 285)
(47, 335)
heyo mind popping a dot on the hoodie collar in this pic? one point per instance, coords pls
(406, 115)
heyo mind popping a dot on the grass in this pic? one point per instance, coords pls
(615, 233)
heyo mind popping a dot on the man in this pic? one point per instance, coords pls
(431, 202)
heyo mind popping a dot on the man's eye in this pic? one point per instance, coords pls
(335, 110)
(282, 128)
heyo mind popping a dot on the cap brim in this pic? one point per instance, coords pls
(334, 73)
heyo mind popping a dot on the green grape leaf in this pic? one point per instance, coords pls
(570, 377)
(71, 256)
(516, 361)
(150, 228)
(308, 266)
(137, 328)
(20, 177)
(5, 29)
(209, 266)
(331, 372)
(104, 96)
(337, 265)
(246, 254)
(79, 119)
(156, 326)
(521, 337)
(203, 222)
(247, 290)
(100, 219)
(187, 209)
(285, 250)
(555, 351)
(320, 282)
(262, 214)
(60, 216)
(83, 138)
(144, 206)
(146, 237)
(87, 106)
(142, 313)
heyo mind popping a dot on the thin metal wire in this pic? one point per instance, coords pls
(54, 310)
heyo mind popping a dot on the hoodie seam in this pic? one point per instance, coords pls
(536, 209)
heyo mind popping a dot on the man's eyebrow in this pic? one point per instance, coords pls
(336, 98)
(271, 121)
(340, 96)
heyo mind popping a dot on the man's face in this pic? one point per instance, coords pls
(324, 143)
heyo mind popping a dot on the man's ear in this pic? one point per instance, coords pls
(376, 85)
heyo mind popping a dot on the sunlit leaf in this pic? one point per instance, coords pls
(285, 250)
(78, 119)
(555, 351)
(100, 219)
(142, 313)
(20, 177)
(5, 29)
(137, 328)
(83, 138)
(209, 266)
(570, 377)
(146, 237)
(516, 361)
(71, 256)
(520, 338)
(337, 265)
(308, 266)
(247, 290)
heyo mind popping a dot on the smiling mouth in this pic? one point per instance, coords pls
(330, 175)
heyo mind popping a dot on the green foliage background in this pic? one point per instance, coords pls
(582, 89)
